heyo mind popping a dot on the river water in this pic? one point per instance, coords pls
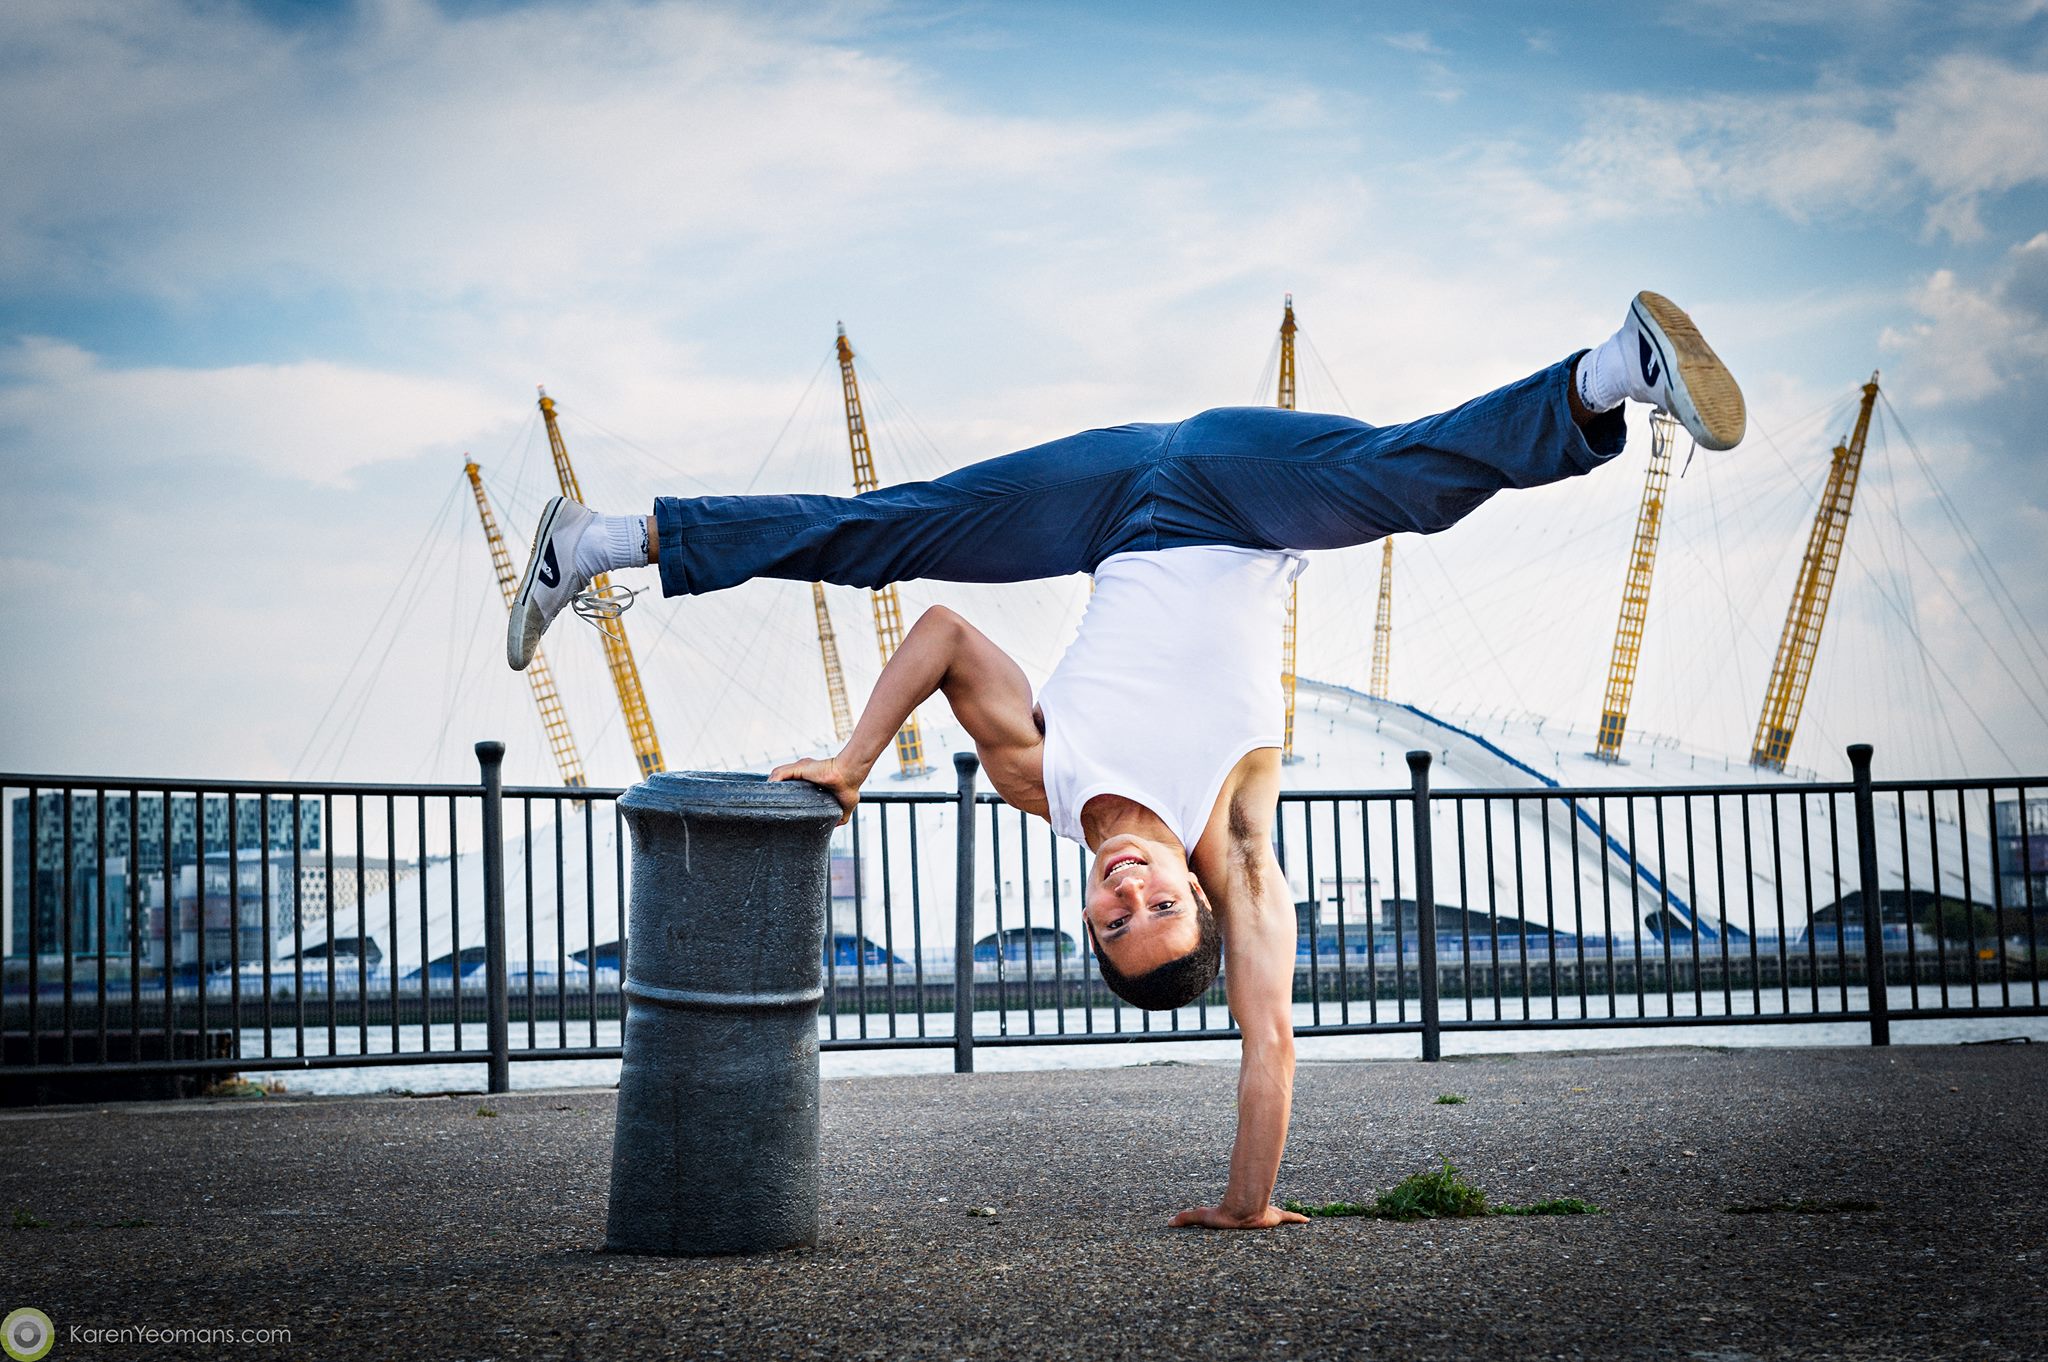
(1810, 1030)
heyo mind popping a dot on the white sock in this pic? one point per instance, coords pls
(1606, 378)
(611, 543)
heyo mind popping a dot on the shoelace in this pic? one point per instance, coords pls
(1657, 438)
(600, 607)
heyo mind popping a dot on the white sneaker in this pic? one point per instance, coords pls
(551, 579)
(1672, 367)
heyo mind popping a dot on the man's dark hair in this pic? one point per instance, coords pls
(1177, 982)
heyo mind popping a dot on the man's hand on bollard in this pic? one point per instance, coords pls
(834, 775)
(1216, 1218)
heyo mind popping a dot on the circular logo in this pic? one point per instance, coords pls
(26, 1334)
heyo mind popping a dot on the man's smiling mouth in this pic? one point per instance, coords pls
(1119, 862)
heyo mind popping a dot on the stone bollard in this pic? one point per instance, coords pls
(716, 1148)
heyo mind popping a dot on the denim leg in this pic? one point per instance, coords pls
(1042, 512)
(1262, 477)
(1253, 477)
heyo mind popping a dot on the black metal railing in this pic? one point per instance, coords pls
(203, 927)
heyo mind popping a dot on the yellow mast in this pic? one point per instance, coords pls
(835, 678)
(1800, 642)
(1383, 622)
(1285, 398)
(553, 719)
(1635, 591)
(888, 606)
(618, 653)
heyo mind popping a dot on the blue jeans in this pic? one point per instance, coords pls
(1253, 477)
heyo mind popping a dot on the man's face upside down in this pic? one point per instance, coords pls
(1143, 904)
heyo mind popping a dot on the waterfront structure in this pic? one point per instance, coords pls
(1290, 629)
(1799, 642)
(1635, 591)
(267, 906)
(2020, 834)
(1770, 860)
(888, 604)
(98, 831)
(1766, 861)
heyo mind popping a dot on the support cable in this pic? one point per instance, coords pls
(405, 576)
(2002, 594)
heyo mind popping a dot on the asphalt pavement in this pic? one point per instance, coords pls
(1910, 1184)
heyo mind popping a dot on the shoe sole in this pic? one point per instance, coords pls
(515, 630)
(1708, 399)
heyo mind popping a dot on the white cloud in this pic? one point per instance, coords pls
(1966, 129)
(1957, 345)
(1442, 84)
(1417, 41)
(1971, 341)
(315, 420)
(2025, 285)
(524, 151)
(1973, 127)
(1438, 80)
(1719, 16)
(659, 210)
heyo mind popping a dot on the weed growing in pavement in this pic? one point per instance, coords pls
(486, 1111)
(1441, 1195)
(1557, 1205)
(25, 1220)
(1438, 1195)
(1450, 1099)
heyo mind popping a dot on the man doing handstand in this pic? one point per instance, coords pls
(1155, 742)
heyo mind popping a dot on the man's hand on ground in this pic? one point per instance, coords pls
(829, 774)
(1216, 1218)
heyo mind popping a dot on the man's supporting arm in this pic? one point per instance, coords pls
(989, 695)
(1259, 941)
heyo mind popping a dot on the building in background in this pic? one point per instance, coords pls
(267, 914)
(2021, 834)
(50, 899)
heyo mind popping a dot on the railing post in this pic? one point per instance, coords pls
(1425, 904)
(965, 764)
(1874, 981)
(490, 756)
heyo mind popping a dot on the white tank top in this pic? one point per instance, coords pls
(1175, 675)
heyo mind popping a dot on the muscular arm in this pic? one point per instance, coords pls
(989, 695)
(1256, 914)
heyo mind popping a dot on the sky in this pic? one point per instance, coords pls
(270, 272)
